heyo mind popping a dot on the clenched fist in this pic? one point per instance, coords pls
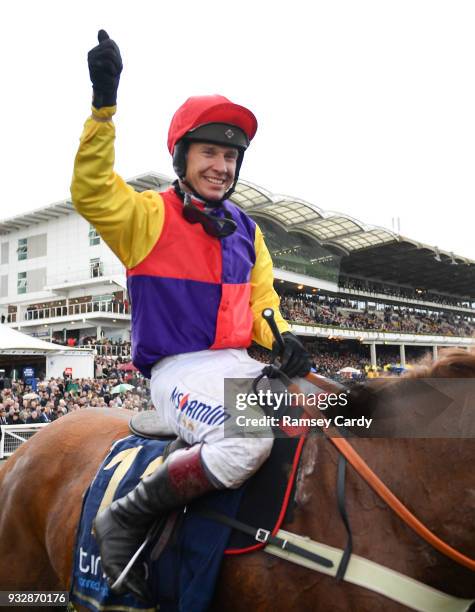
(105, 66)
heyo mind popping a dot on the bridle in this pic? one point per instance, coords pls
(378, 486)
(352, 456)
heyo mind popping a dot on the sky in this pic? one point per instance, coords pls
(364, 107)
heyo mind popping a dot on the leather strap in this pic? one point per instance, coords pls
(380, 488)
(340, 490)
(265, 537)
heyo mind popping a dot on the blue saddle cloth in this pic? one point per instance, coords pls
(184, 576)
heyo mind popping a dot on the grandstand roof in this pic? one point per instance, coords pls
(40, 215)
(405, 262)
(366, 251)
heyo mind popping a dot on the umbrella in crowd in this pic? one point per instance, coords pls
(31, 396)
(122, 388)
(348, 370)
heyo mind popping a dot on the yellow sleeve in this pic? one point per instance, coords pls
(128, 221)
(263, 294)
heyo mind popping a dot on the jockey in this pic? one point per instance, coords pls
(198, 275)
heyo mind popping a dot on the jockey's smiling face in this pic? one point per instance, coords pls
(210, 169)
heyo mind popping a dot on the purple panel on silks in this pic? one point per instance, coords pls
(237, 250)
(170, 316)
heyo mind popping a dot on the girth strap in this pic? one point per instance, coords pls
(265, 537)
(340, 488)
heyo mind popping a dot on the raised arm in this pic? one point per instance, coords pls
(129, 222)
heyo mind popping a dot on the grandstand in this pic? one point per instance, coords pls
(321, 257)
(343, 282)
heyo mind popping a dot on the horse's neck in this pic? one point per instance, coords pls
(431, 477)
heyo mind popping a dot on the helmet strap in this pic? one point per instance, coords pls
(189, 190)
(213, 225)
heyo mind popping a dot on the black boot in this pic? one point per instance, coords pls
(122, 527)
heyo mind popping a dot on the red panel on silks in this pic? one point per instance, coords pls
(183, 250)
(192, 291)
(234, 317)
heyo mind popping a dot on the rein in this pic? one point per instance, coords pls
(362, 468)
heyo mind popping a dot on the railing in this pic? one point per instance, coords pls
(76, 309)
(108, 350)
(382, 329)
(13, 436)
(374, 335)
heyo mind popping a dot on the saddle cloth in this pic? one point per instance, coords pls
(183, 578)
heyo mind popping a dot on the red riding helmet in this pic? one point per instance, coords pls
(210, 119)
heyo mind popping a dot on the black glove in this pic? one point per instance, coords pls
(295, 359)
(105, 66)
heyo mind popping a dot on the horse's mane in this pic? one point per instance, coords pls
(452, 363)
(377, 394)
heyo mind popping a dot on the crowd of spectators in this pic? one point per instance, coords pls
(110, 367)
(337, 312)
(75, 306)
(325, 363)
(103, 346)
(311, 309)
(373, 287)
(106, 346)
(54, 398)
(329, 356)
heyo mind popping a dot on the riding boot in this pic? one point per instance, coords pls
(122, 527)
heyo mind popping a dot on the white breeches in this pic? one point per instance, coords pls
(188, 392)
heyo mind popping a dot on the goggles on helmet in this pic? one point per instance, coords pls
(218, 227)
(213, 225)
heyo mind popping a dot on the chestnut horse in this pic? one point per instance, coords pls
(42, 484)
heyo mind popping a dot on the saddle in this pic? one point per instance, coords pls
(264, 496)
(184, 562)
(148, 425)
